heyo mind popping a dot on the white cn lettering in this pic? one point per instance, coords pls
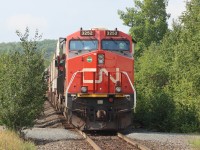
(101, 71)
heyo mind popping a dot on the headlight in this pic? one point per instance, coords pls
(101, 58)
(84, 89)
(118, 89)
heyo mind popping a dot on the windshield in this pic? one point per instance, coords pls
(112, 44)
(83, 44)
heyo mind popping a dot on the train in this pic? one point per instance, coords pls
(91, 79)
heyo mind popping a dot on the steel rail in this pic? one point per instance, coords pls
(132, 142)
(89, 140)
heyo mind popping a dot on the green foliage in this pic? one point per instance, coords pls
(22, 84)
(47, 46)
(147, 22)
(7, 47)
(168, 77)
(186, 70)
(155, 105)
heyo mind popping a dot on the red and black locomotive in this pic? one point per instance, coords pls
(91, 79)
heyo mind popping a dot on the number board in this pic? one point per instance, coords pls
(111, 33)
(87, 33)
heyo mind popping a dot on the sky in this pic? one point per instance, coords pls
(58, 18)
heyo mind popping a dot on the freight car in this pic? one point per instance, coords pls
(91, 79)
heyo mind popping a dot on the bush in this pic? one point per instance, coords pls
(22, 84)
(155, 105)
(168, 78)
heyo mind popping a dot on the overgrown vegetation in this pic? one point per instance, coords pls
(168, 69)
(10, 141)
(22, 84)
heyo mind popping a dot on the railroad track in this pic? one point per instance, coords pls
(111, 141)
(97, 140)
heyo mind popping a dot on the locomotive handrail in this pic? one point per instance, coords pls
(125, 73)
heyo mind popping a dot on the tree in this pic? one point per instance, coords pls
(168, 77)
(48, 46)
(186, 70)
(147, 22)
(22, 84)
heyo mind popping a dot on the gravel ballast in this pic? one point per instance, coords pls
(163, 141)
(51, 134)
(66, 145)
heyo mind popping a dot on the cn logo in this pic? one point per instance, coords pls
(101, 71)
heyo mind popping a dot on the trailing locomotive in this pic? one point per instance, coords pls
(91, 79)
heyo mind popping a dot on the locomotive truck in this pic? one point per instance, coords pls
(91, 79)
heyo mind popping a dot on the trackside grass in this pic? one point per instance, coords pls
(11, 141)
(195, 144)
